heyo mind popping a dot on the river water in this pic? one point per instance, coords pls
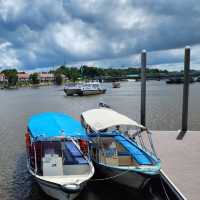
(16, 106)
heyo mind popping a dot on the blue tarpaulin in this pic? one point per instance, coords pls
(53, 124)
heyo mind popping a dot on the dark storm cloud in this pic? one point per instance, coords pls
(44, 33)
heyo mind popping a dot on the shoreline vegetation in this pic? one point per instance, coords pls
(12, 79)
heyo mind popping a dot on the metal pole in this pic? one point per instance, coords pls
(184, 125)
(143, 88)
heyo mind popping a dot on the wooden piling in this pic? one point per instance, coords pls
(184, 123)
(143, 88)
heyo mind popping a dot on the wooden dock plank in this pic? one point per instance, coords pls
(180, 160)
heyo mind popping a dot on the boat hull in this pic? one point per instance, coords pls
(91, 92)
(131, 179)
(56, 191)
(71, 92)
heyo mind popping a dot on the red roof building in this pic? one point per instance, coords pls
(45, 76)
(23, 76)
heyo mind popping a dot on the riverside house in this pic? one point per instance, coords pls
(46, 77)
(23, 76)
(2, 78)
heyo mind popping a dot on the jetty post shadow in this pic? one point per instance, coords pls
(184, 123)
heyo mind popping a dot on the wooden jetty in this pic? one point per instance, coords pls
(180, 160)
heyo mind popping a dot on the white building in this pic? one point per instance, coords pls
(23, 76)
(46, 77)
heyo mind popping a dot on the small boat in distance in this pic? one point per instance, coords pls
(84, 89)
(116, 84)
(92, 88)
(178, 80)
(57, 154)
(121, 149)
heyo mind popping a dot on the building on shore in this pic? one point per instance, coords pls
(3, 78)
(46, 77)
(23, 76)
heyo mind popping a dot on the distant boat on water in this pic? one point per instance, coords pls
(116, 84)
(72, 89)
(57, 154)
(84, 89)
(178, 80)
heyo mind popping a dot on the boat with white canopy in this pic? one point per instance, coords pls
(84, 89)
(122, 149)
(57, 154)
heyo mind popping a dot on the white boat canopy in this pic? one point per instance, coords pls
(102, 118)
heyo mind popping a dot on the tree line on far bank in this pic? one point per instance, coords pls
(83, 73)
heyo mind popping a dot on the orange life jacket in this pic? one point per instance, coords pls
(83, 146)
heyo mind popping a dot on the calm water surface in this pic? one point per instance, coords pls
(16, 106)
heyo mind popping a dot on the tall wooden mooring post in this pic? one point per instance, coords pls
(184, 122)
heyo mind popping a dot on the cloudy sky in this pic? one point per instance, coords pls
(41, 33)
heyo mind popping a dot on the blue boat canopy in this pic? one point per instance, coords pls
(52, 124)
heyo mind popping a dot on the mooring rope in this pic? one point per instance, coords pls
(111, 177)
(164, 189)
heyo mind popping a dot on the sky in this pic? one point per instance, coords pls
(38, 34)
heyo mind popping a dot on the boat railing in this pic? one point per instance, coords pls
(145, 142)
(35, 159)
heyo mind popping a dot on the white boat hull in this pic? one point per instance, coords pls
(56, 191)
(71, 92)
(91, 92)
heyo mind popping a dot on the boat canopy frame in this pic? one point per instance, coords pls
(102, 118)
(96, 121)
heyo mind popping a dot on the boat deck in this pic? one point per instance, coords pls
(180, 160)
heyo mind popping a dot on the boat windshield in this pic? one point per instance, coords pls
(92, 85)
(71, 85)
(50, 158)
(119, 151)
(141, 137)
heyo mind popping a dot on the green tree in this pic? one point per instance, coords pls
(34, 78)
(58, 79)
(11, 75)
(74, 74)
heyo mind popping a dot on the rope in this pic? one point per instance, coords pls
(164, 189)
(111, 177)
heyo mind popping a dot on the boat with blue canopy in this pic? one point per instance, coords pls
(122, 150)
(57, 154)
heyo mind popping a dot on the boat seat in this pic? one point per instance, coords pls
(72, 155)
(141, 157)
(52, 165)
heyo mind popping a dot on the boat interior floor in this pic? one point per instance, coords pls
(119, 151)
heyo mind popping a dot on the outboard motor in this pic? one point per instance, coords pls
(103, 105)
